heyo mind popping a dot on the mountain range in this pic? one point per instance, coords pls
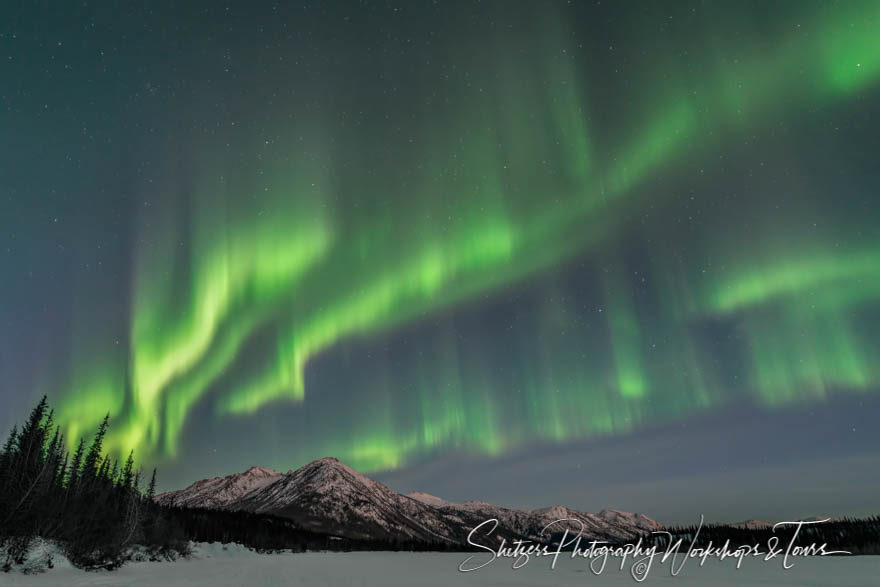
(329, 497)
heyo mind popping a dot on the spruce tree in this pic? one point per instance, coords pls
(92, 463)
(128, 471)
(73, 475)
(6, 455)
(151, 489)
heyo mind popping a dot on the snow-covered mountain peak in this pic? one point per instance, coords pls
(220, 492)
(329, 464)
(324, 461)
(428, 499)
(634, 520)
(557, 512)
(261, 472)
(327, 475)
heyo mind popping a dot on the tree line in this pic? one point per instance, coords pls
(855, 535)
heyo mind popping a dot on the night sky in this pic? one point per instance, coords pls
(610, 255)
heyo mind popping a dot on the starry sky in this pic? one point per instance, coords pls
(611, 255)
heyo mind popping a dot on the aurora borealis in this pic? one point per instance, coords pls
(397, 232)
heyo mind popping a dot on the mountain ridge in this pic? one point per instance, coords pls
(330, 497)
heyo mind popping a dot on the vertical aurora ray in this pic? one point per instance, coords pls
(244, 274)
(625, 339)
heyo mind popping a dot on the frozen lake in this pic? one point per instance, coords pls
(216, 565)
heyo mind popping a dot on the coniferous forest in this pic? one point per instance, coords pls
(856, 536)
(93, 506)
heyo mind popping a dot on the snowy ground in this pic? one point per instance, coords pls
(214, 564)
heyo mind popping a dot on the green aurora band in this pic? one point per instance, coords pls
(505, 190)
